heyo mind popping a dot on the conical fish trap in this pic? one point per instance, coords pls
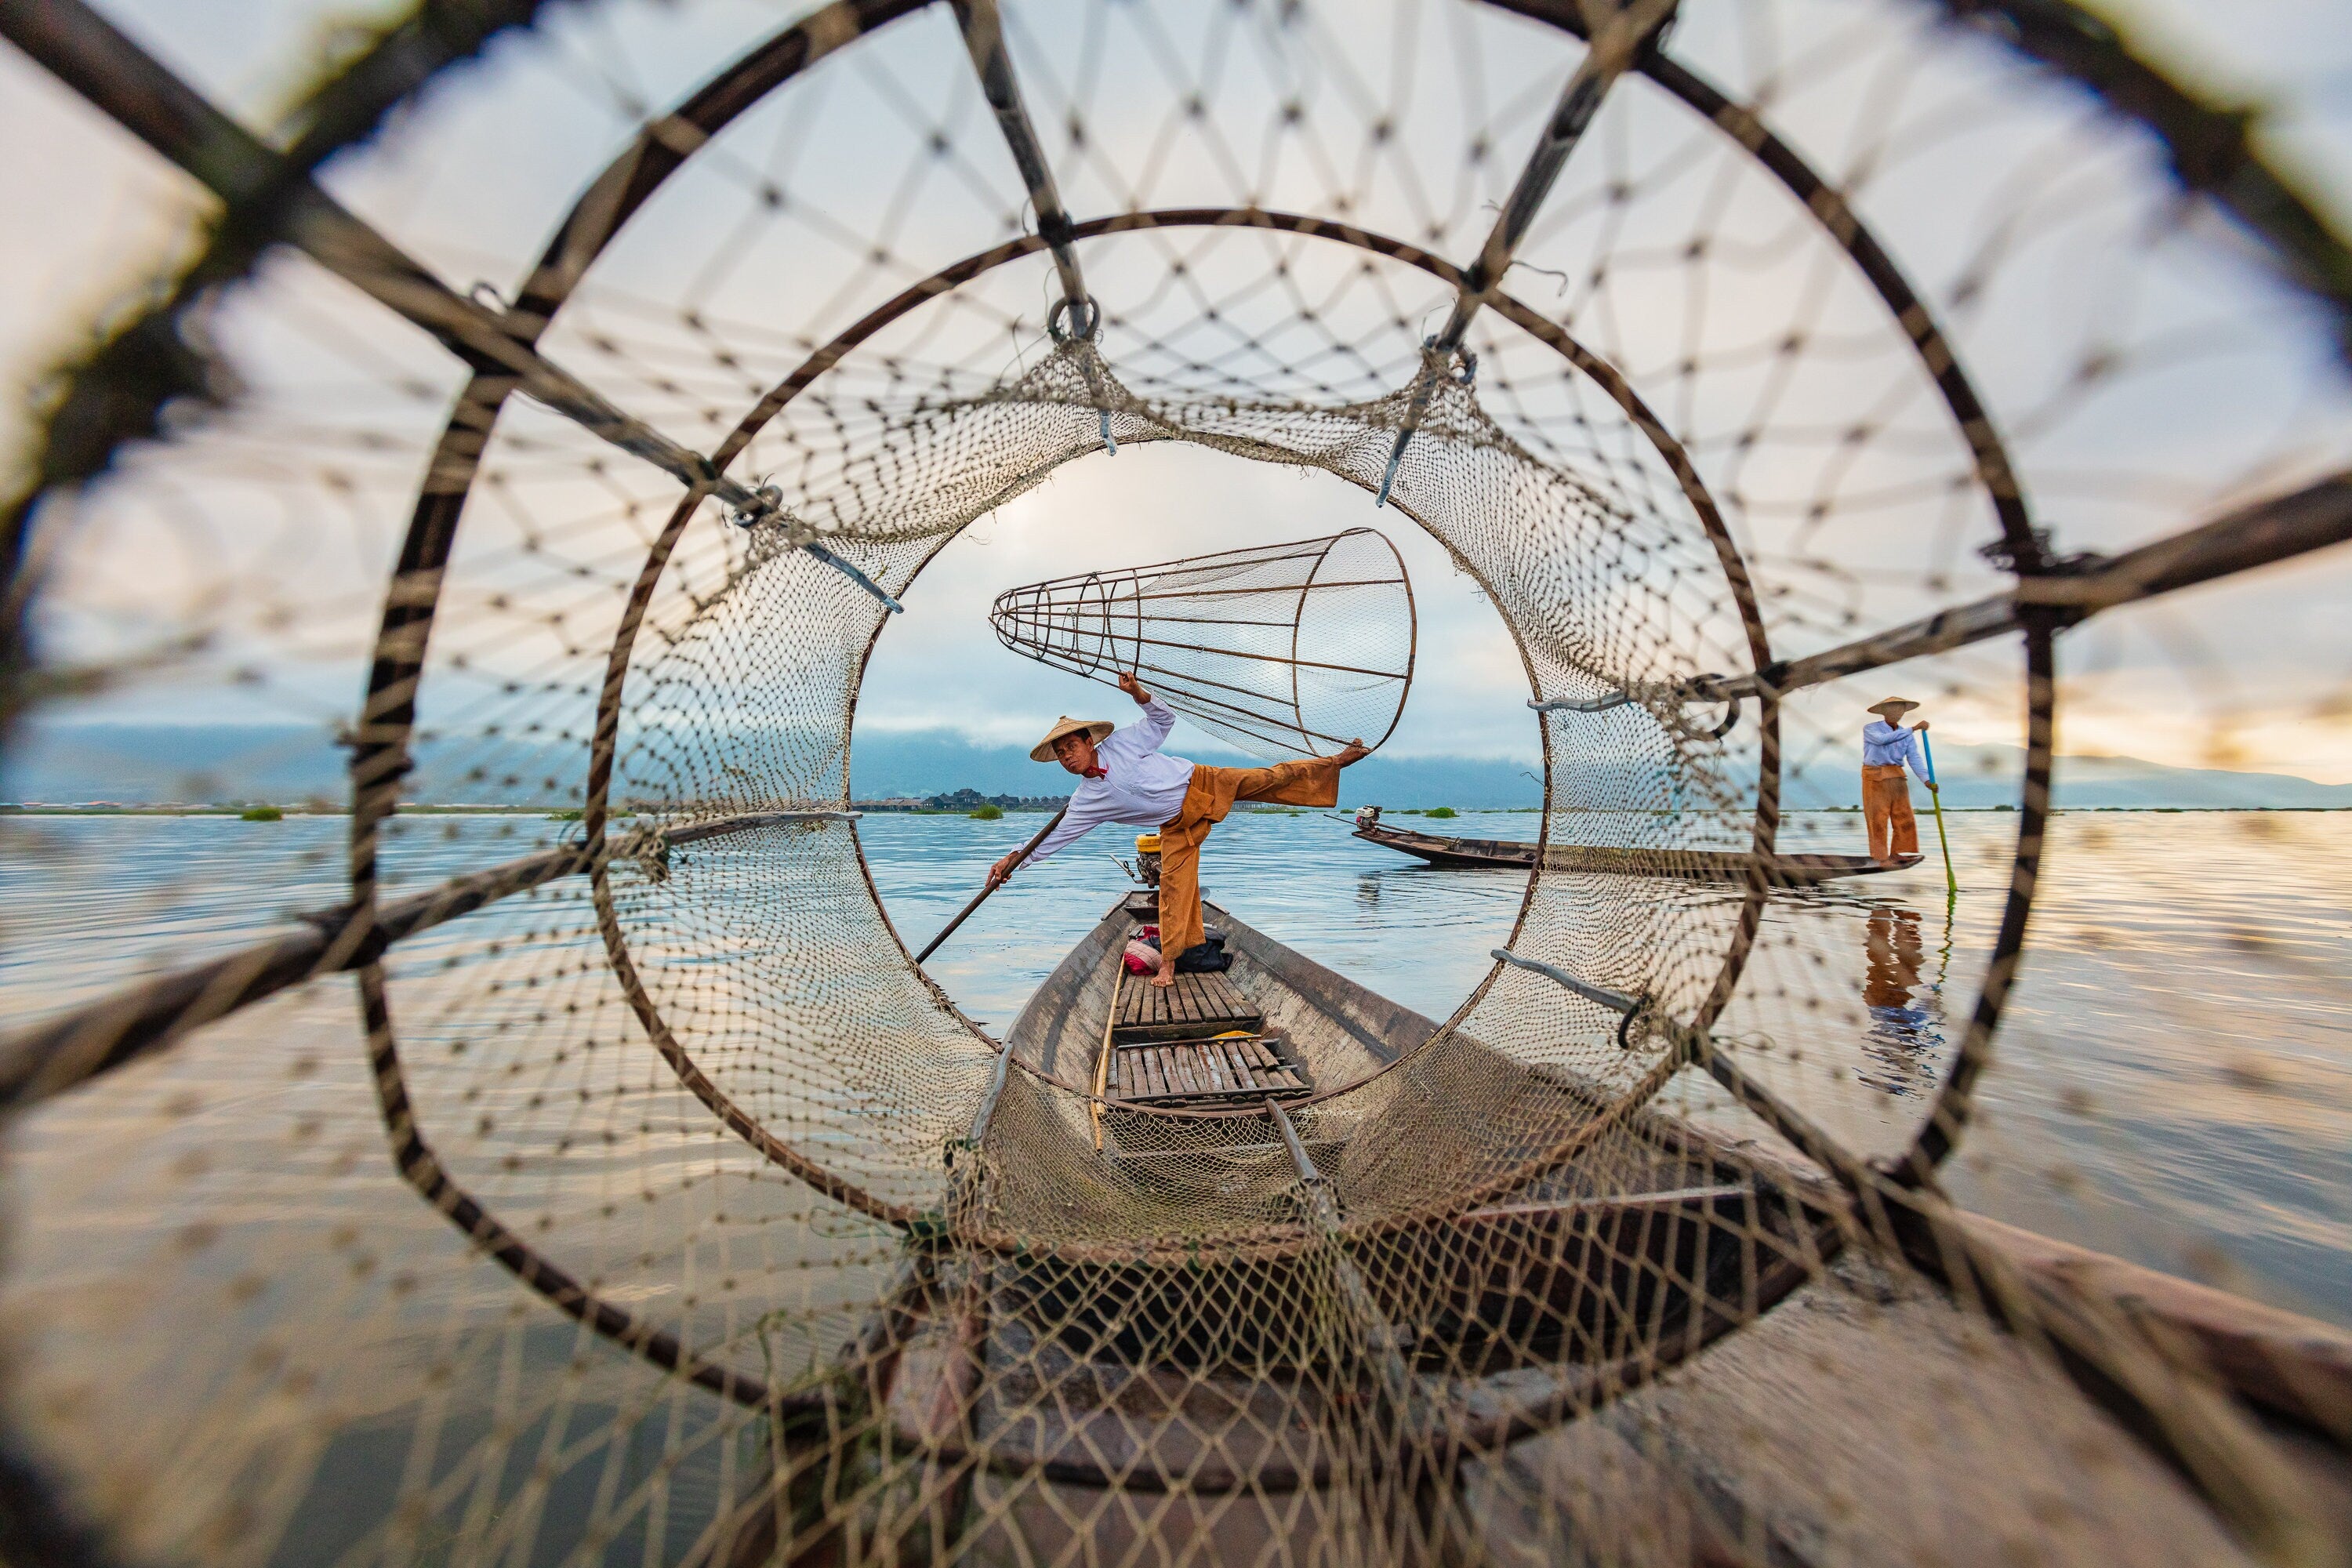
(550, 1153)
(1283, 650)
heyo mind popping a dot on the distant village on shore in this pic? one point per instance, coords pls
(966, 801)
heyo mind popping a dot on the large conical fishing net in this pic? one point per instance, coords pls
(1284, 650)
(604, 1184)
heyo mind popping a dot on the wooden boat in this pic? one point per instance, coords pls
(1138, 1370)
(1688, 865)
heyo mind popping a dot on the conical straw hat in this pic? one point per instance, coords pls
(1065, 725)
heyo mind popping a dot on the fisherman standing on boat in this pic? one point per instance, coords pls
(1124, 777)
(1886, 748)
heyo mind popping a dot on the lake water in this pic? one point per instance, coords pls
(2174, 1079)
(224, 1299)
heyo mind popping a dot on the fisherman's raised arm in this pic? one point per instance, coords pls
(1158, 719)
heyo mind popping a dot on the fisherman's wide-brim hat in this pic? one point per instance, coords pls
(1894, 707)
(1095, 729)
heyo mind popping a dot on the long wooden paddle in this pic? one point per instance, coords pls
(1026, 850)
(1936, 799)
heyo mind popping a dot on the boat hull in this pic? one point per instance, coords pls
(1679, 864)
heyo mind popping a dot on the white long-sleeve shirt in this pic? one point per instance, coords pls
(1142, 786)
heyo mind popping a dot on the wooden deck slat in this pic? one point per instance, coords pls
(1164, 1046)
(1203, 1074)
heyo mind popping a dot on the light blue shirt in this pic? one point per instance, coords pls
(1886, 745)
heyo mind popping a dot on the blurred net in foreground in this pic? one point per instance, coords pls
(638, 1199)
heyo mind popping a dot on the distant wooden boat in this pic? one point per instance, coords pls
(1687, 864)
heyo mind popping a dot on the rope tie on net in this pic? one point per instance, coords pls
(748, 518)
(1700, 688)
(1628, 1007)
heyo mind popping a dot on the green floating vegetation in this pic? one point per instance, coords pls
(261, 814)
(988, 813)
(1439, 811)
(563, 816)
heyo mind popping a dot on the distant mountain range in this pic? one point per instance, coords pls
(151, 764)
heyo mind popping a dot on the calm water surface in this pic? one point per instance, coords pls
(2174, 1079)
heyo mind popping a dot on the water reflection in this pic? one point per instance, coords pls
(1904, 1040)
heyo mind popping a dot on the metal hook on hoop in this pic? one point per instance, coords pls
(745, 517)
(1694, 732)
(1628, 1008)
(773, 509)
(1077, 308)
(1699, 688)
(1423, 385)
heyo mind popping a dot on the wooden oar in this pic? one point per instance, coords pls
(1026, 850)
(1936, 799)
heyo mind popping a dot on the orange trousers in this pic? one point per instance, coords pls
(1886, 812)
(1303, 781)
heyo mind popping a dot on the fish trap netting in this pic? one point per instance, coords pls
(597, 1179)
(1284, 650)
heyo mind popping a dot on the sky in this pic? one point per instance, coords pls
(1155, 504)
(2253, 674)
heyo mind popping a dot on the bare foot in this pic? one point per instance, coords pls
(1352, 753)
(1167, 975)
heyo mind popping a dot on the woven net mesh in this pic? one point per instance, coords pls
(603, 1182)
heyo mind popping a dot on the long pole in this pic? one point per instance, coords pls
(962, 914)
(1102, 1060)
(1936, 799)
